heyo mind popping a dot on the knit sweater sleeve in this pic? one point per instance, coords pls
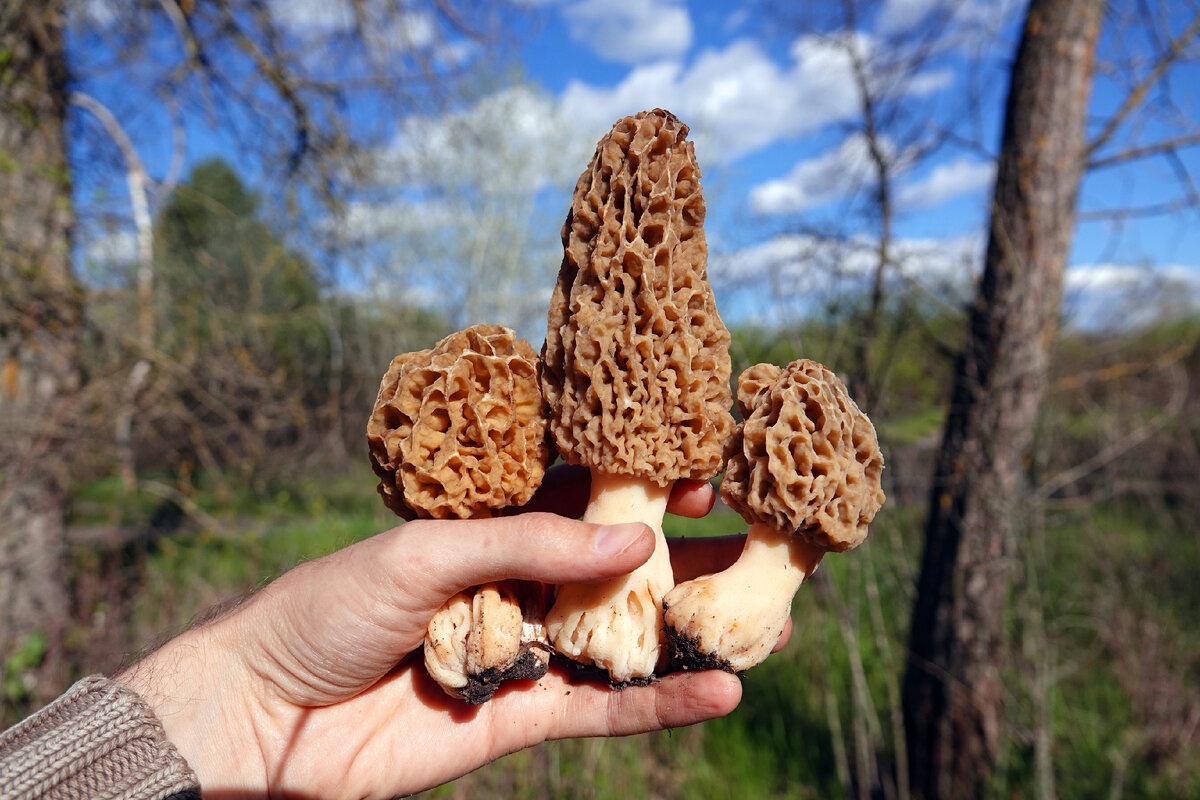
(99, 740)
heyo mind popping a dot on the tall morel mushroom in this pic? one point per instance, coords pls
(459, 431)
(636, 372)
(804, 471)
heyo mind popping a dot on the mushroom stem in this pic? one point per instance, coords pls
(486, 635)
(617, 624)
(730, 620)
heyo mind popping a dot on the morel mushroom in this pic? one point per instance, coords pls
(805, 472)
(459, 431)
(636, 372)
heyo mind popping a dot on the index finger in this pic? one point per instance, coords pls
(565, 489)
(691, 558)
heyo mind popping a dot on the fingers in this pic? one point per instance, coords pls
(677, 700)
(565, 491)
(783, 637)
(447, 556)
(691, 498)
(691, 558)
(566, 708)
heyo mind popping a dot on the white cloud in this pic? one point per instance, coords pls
(630, 31)
(802, 263)
(1125, 295)
(98, 13)
(516, 140)
(896, 15)
(738, 99)
(1127, 277)
(945, 182)
(789, 275)
(387, 31)
(817, 181)
(112, 248)
(839, 172)
(322, 16)
(776, 280)
(954, 16)
(459, 212)
(594, 109)
(362, 223)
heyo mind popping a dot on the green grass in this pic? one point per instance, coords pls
(912, 428)
(187, 574)
(720, 523)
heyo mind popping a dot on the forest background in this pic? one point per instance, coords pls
(222, 219)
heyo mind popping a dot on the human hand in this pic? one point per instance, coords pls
(315, 686)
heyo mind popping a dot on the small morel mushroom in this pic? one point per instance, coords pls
(804, 472)
(459, 431)
(487, 635)
(636, 373)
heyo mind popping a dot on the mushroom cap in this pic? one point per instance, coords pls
(636, 356)
(459, 430)
(805, 460)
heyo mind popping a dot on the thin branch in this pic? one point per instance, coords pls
(1144, 151)
(1138, 93)
(1185, 178)
(302, 129)
(1156, 210)
(186, 504)
(191, 47)
(1117, 448)
(196, 61)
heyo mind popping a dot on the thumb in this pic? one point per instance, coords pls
(450, 555)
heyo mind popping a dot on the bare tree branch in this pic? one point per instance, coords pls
(1138, 93)
(1154, 210)
(1144, 151)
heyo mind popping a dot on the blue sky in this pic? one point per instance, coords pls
(801, 162)
(776, 122)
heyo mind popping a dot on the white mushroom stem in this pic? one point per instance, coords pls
(733, 618)
(480, 633)
(446, 643)
(617, 624)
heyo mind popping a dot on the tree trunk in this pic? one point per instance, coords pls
(39, 324)
(952, 690)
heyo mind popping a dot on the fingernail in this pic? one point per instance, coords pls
(613, 539)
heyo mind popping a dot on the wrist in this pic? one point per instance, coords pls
(200, 691)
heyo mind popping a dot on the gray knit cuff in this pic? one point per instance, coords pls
(99, 740)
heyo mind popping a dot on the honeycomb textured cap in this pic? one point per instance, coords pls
(636, 356)
(459, 430)
(805, 460)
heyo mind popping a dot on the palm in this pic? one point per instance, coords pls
(405, 731)
(336, 720)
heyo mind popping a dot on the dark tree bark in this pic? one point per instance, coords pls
(39, 322)
(952, 690)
